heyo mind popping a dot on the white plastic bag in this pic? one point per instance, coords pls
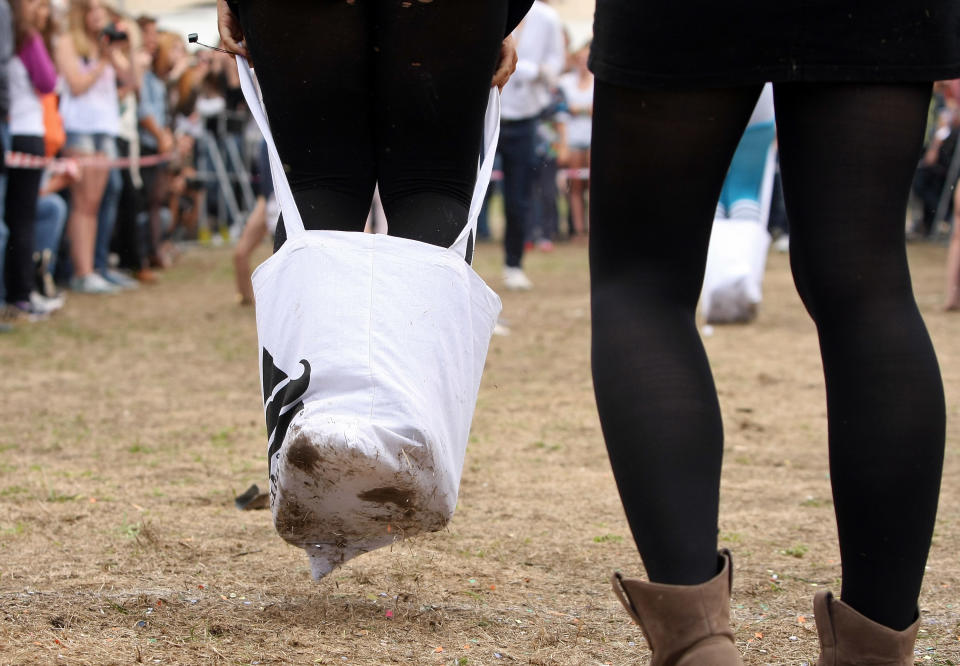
(737, 255)
(733, 279)
(372, 351)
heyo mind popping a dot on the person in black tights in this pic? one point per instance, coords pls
(852, 87)
(365, 92)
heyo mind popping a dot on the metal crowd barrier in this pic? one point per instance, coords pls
(224, 161)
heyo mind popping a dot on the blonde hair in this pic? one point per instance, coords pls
(163, 61)
(77, 28)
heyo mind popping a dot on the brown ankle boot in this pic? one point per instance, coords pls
(685, 625)
(847, 638)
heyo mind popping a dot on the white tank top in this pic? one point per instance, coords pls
(26, 112)
(96, 111)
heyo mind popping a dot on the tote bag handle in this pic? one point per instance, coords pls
(292, 221)
(491, 134)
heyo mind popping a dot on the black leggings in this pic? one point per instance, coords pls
(390, 92)
(23, 187)
(847, 155)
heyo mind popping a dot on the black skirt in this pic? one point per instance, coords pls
(516, 10)
(708, 43)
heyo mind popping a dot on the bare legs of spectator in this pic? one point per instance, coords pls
(157, 192)
(85, 196)
(185, 200)
(252, 236)
(953, 259)
(579, 159)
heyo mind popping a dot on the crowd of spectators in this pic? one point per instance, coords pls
(103, 119)
(934, 175)
(544, 148)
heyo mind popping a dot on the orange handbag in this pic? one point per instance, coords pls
(54, 136)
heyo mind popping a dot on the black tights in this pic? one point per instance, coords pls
(847, 155)
(23, 187)
(392, 91)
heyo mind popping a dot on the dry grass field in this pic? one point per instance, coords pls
(129, 423)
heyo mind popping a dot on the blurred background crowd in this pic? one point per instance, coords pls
(120, 146)
(124, 145)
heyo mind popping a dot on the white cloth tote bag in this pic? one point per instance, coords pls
(733, 278)
(372, 348)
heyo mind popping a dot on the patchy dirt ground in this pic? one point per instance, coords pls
(129, 423)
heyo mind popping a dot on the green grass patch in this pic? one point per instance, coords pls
(608, 538)
(223, 439)
(797, 551)
(129, 530)
(546, 447)
(54, 495)
(18, 527)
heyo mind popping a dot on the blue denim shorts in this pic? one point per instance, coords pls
(81, 142)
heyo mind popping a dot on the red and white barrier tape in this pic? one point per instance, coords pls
(14, 160)
(571, 174)
(72, 164)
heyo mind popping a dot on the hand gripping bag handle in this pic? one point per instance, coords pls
(292, 221)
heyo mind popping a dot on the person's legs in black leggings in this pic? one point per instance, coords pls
(433, 70)
(847, 154)
(659, 160)
(360, 91)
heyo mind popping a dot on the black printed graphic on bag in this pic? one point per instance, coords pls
(281, 404)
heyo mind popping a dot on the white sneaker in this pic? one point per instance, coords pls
(515, 279)
(46, 305)
(92, 283)
(782, 244)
